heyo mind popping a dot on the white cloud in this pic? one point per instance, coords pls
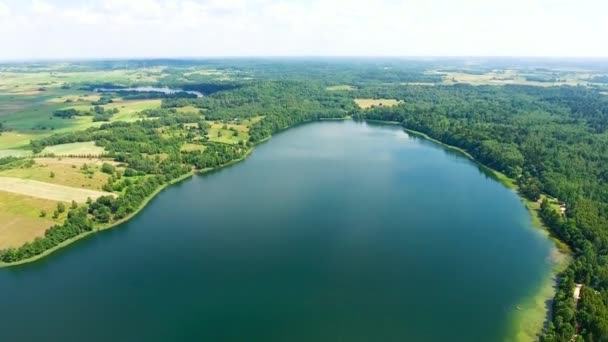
(4, 9)
(138, 28)
(40, 6)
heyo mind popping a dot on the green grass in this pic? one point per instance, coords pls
(193, 147)
(28, 100)
(217, 133)
(15, 153)
(20, 217)
(17, 140)
(340, 87)
(79, 149)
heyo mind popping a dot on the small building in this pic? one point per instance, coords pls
(562, 209)
(577, 292)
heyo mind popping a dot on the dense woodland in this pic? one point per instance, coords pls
(551, 140)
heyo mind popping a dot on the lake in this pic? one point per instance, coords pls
(164, 90)
(330, 231)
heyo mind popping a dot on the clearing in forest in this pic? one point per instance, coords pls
(228, 133)
(74, 149)
(187, 147)
(369, 103)
(48, 191)
(340, 87)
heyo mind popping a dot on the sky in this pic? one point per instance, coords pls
(90, 29)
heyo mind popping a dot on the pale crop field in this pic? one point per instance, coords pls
(15, 153)
(369, 103)
(20, 219)
(74, 149)
(68, 173)
(48, 191)
(74, 161)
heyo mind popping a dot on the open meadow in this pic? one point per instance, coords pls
(50, 191)
(369, 103)
(22, 220)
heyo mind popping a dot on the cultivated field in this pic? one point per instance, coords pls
(15, 153)
(369, 103)
(48, 191)
(69, 172)
(508, 76)
(20, 219)
(74, 149)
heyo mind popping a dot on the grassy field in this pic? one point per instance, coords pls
(17, 140)
(28, 100)
(193, 147)
(369, 103)
(128, 110)
(48, 191)
(15, 153)
(20, 217)
(228, 133)
(76, 98)
(340, 87)
(58, 171)
(74, 149)
(188, 109)
(503, 77)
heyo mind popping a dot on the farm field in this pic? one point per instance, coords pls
(48, 191)
(20, 217)
(369, 103)
(516, 77)
(74, 149)
(74, 172)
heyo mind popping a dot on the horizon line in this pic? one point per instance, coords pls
(234, 57)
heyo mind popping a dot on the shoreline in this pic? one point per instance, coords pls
(108, 226)
(527, 323)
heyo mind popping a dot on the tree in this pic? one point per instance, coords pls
(74, 204)
(42, 213)
(107, 168)
(60, 207)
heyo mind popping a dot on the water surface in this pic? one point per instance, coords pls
(164, 90)
(331, 231)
